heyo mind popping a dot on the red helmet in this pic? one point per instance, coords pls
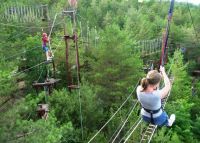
(44, 34)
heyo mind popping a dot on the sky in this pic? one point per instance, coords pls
(190, 1)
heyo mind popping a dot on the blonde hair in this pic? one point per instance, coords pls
(153, 77)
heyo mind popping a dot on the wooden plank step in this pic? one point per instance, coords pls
(150, 128)
(73, 86)
(148, 132)
(69, 37)
(151, 125)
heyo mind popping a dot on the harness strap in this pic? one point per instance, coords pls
(152, 112)
(139, 110)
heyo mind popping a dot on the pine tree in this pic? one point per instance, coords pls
(114, 68)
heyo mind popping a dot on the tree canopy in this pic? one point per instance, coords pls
(112, 36)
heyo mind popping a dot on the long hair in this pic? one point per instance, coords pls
(153, 77)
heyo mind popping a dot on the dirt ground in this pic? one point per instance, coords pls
(21, 85)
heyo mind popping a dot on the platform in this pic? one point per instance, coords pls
(49, 82)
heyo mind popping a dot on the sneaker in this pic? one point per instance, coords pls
(172, 119)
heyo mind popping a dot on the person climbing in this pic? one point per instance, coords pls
(150, 98)
(44, 45)
(72, 2)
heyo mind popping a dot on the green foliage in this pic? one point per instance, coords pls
(61, 101)
(182, 112)
(195, 128)
(67, 106)
(114, 68)
(7, 81)
(111, 74)
(181, 86)
(16, 126)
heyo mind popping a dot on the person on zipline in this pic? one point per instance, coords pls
(150, 98)
(44, 45)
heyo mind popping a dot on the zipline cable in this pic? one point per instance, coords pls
(114, 113)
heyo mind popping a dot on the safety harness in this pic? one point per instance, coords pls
(149, 111)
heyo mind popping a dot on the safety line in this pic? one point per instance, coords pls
(25, 50)
(130, 128)
(18, 34)
(78, 73)
(21, 33)
(114, 113)
(121, 123)
(124, 123)
(50, 33)
(57, 46)
(61, 134)
(133, 130)
(22, 52)
(23, 70)
(30, 67)
(35, 4)
(81, 17)
(28, 27)
(80, 28)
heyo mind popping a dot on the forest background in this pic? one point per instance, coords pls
(110, 68)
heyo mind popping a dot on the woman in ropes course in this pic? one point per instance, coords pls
(44, 45)
(150, 98)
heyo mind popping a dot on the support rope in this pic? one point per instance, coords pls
(50, 34)
(19, 34)
(130, 128)
(124, 123)
(78, 75)
(167, 33)
(24, 70)
(28, 27)
(114, 113)
(133, 130)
